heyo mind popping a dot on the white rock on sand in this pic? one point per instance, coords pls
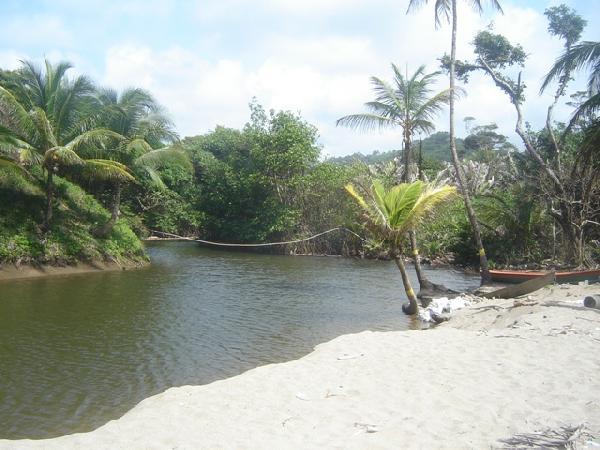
(491, 372)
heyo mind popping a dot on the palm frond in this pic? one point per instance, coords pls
(588, 108)
(359, 199)
(401, 200)
(137, 147)
(17, 178)
(62, 155)
(106, 170)
(43, 127)
(67, 99)
(93, 139)
(155, 178)
(442, 12)
(29, 156)
(164, 157)
(581, 55)
(429, 199)
(8, 165)
(14, 116)
(401, 208)
(366, 122)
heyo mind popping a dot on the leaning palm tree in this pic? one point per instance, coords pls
(392, 213)
(447, 9)
(409, 104)
(583, 55)
(135, 115)
(40, 124)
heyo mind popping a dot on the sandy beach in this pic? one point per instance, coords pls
(492, 372)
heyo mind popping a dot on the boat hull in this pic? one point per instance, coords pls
(519, 276)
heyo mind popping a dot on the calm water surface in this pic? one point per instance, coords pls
(77, 351)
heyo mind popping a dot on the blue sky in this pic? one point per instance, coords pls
(205, 60)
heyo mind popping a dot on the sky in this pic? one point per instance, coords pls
(205, 60)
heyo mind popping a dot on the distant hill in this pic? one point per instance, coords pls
(435, 147)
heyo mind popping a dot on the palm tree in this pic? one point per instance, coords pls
(43, 122)
(135, 115)
(583, 55)
(448, 10)
(392, 213)
(407, 104)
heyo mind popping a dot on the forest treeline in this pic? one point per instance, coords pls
(85, 171)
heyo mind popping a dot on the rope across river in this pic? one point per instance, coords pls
(266, 244)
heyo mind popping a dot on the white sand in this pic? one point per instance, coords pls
(486, 375)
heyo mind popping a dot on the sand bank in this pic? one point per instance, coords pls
(492, 372)
(23, 271)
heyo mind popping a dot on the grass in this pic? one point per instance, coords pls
(69, 239)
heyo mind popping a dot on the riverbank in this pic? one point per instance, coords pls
(492, 372)
(10, 272)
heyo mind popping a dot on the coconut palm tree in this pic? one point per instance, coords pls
(447, 9)
(583, 55)
(43, 120)
(408, 103)
(135, 115)
(392, 213)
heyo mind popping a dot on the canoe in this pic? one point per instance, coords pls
(518, 276)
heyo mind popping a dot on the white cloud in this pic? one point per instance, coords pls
(9, 59)
(22, 31)
(325, 75)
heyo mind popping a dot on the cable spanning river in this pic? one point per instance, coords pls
(77, 351)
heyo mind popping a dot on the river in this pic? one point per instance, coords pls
(77, 351)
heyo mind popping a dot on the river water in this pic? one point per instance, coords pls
(77, 351)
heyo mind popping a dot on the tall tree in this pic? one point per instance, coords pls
(408, 103)
(43, 115)
(392, 213)
(570, 189)
(567, 25)
(146, 129)
(447, 9)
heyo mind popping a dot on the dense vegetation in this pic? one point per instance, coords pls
(85, 171)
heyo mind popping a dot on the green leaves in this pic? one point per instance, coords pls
(64, 156)
(407, 103)
(395, 211)
(106, 170)
(497, 51)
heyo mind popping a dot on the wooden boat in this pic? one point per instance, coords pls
(518, 276)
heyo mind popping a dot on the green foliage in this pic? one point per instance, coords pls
(485, 144)
(448, 234)
(69, 239)
(391, 212)
(435, 149)
(565, 23)
(497, 51)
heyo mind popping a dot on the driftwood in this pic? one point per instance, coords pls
(563, 438)
(522, 288)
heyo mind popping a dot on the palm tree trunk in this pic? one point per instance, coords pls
(114, 212)
(49, 199)
(407, 149)
(483, 263)
(413, 306)
(424, 283)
